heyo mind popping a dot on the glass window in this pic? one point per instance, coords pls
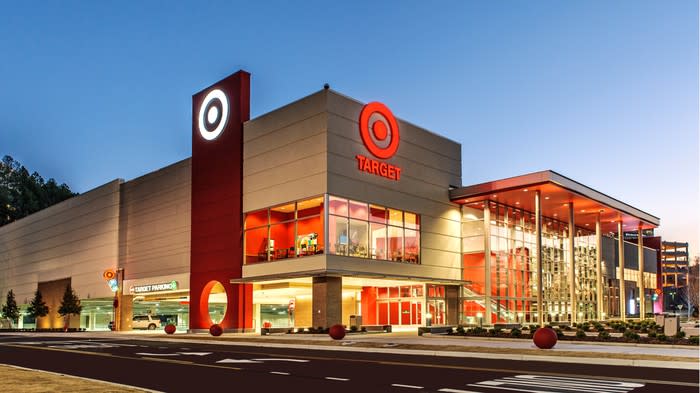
(282, 213)
(395, 249)
(255, 245)
(411, 220)
(310, 207)
(358, 210)
(395, 217)
(367, 235)
(338, 233)
(256, 219)
(411, 245)
(378, 242)
(377, 214)
(338, 206)
(309, 236)
(282, 241)
(358, 240)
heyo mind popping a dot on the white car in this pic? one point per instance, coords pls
(145, 322)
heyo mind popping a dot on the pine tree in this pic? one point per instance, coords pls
(10, 309)
(70, 304)
(38, 308)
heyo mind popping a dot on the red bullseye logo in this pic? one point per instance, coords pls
(380, 132)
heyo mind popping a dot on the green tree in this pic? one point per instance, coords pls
(10, 309)
(23, 193)
(38, 308)
(70, 304)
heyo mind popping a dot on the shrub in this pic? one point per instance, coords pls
(460, 329)
(599, 327)
(363, 329)
(477, 330)
(568, 328)
(533, 328)
(525, 328)
(694, 340)
(604, 335)
(621, 328)
(585, 326)
(515, 333)
(661, 337)
(580, 333)
(353, 328)
(680, 334)
(644, 330)
(652, 334)
(560, 334)
(631, 335)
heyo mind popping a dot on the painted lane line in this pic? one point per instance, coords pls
(168, 360)
(237, 361)
(337, 379)
(279, 373)
(156, 354)
(553, 384)
(281, 360)
(398, 385)
(195, 353)
(448, 390)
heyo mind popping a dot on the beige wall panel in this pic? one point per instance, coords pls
(298, 110)
(302, 312)
(306, 129)
(77, 237)
(308, 186)
(299, 168)
(344, 139)
(449, 260)
(349, 109)
(155, 223)
(349, 308)
(285, 267)
(440, 242)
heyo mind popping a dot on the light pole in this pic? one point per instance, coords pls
(481, 319)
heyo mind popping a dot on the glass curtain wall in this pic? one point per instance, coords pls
(511, 269)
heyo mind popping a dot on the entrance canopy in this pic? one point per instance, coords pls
(556, 192)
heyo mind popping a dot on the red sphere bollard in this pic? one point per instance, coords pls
(545, 338)
(215, 330)
(337, 332)
(170, 328)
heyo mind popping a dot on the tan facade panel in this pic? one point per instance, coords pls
(155, 223)
(77, 237)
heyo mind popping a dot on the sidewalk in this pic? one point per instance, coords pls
(623, 354)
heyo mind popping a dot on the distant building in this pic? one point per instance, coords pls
(674, 273)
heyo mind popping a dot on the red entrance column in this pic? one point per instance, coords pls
(218, 114)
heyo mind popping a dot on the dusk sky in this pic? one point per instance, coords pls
(605, 93)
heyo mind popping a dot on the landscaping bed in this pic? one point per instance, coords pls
(647, 332)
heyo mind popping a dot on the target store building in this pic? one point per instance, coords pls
(324, 211)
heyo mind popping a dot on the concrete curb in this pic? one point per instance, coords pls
(481, 355)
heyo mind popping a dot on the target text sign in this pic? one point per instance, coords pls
(380, 134)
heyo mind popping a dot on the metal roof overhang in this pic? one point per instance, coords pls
(557, 192)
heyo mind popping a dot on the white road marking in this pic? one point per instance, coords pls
(398, 385)
(195, 353)
(156, 354)
(237, 361)
(448, 390)
(348, 343)
(337, 379)
(281, 360)
(554, 384)
(278, 373)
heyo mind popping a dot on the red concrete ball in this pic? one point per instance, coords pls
(215, 330)
(170, 328)
(337, 332)
(545, 338)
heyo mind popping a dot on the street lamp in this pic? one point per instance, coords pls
(481, 319)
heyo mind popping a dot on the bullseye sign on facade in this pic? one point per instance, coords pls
(213, 114)
(381, 138)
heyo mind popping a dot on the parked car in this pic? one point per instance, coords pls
(145, 322)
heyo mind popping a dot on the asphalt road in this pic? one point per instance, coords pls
(188, 367)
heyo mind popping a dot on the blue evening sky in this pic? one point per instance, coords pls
(603, 92)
